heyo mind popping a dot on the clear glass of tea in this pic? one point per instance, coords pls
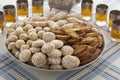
(22, 9)
(101, 14)
(86, 9)
(112, 16)
(115, 30)
(37, 7)
(9, 14)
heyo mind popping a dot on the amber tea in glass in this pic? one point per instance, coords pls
(115, 30)
(1, 21)
(22, 9)
(9, 14)
(101, 14)
(112, 16)
(86, 9)
(37, 7)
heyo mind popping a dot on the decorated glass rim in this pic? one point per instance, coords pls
(9, 7)
(37, 2)
(22, 1)
(101, 9)
(116, 24)
(87, 1)
(22, 4)
(102, 6)
(114, 14)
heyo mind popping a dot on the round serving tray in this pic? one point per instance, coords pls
(41, 69)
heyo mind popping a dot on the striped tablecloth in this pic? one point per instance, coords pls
(106, 67)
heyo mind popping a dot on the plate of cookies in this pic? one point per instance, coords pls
(55, 42)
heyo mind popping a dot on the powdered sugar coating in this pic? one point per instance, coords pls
(33, 36)
(27, 27)
(67, 50)
(34, 50)
(11, 45)
(57, 43)
(38, 43)
(55, 53)
(29, 42)
(38, 29)
(54, 60)
(19, 43)
(31, 30)
(17, 54)
(19, 31)
(48, 47)
(25, 55)
(39, 59)
(40, 34)
(12, 38)
(70, 62)
(23, 47)
(48, 36)
(24, 36)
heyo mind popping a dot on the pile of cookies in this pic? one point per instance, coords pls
(56, 41)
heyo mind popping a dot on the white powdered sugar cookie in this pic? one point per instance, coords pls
(70, 62)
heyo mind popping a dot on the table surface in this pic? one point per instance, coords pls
(106, 67)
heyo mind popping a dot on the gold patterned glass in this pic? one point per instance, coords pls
(22, 9)
(86, 9)
(37, 7)
(9, 14)
(112, 16)
(101, 14)
(115, 30)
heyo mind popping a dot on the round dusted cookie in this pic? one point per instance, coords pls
(40, 34)
(47, 47)
(12, 38)
(19, 30)
(29, 42)
(38, 43)
(34, 50)
(54, 60)
(48, 36)
(24, 36)
(19, 43)
(57, 43)
(23, 47)
(70, 62)
(33, 36)
(27, 27)
(39, 59)
(17, 54)
(55, 54)
(31, 30)
(14, 50)
(38, 29)
(67, 50)
(11, 45)
(25, 55)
